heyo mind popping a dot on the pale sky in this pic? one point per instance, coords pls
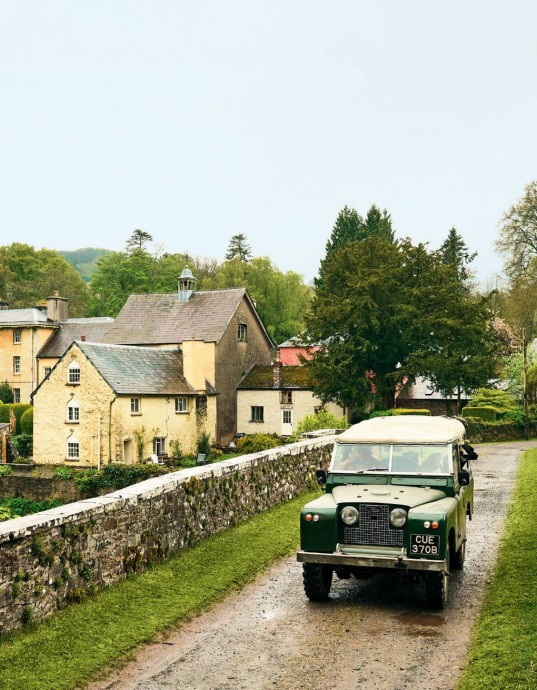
(198, 120)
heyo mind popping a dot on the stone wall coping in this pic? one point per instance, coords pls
(17, 528)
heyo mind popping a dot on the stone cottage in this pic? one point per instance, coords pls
(103, 403)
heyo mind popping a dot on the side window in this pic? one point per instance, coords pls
(73, 411)
(16, 364)
(73, 448)
(73, 373)
(242, 332)
(181, 404)
(16, 336)
(257, 413)
(16, 395)
(135, 406)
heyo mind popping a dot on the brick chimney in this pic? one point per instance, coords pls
(57, 308)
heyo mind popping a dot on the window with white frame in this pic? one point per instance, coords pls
(287, 417)
(16, 395)
(73, 373)
(136, 407)
(286, 397)
(73, 449)
(181, 404)
(16, 336)
(159, 445)
(47, 371)
(242, 332)
(257, 413)
(73, 411)
(16, 364)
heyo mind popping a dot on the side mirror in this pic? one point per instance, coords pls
(321, 477)
(464, 477)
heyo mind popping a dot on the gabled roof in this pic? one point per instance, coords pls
(262, 378)
(90, 330)
(422, 389)
(157, 319)
(25, 317)
(138, 370)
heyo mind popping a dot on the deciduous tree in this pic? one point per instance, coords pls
(518, 233)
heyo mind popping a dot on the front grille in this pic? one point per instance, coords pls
(373, 528)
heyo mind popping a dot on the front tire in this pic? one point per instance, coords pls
(460, 555)
(317, 581)
(437, 587)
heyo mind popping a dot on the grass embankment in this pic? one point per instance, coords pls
(504, 648)
(68, 649)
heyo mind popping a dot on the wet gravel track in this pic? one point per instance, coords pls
(370, 634)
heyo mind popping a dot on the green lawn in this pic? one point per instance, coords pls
(68, 649)
(503, 654)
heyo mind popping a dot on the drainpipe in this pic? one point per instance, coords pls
(99, 440)
(110, 430)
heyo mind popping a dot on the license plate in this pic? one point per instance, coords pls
(424, 544)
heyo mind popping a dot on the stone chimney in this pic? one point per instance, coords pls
(277, 373)
(185, 285)
(57, 308)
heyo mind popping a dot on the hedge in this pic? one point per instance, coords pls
(404, 410)
(485, 412)
(479, 431)
(19, 409)
(27, 422)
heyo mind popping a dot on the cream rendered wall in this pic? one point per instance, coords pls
(198, 363)
(32, 339)
(51, 428)
(304, 403)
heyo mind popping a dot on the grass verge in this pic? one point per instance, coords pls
(70, 648)
(504, 647)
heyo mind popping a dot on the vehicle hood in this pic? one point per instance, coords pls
(409, 496)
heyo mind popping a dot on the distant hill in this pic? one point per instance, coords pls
(85, 260)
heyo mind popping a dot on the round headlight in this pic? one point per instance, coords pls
(349, 515)
(398, 517)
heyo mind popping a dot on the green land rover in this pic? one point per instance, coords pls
(397, 495)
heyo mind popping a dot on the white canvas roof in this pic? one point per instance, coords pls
(404, 429)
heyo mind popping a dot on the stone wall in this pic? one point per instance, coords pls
(60, 556)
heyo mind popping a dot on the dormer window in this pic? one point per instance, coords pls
(242, 332)
(73, 373)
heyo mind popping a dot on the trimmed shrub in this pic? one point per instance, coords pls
(254, 443)
(403, 410)
(322, 420)
(27, 422)
(6, 393)
(380, 413)
(478, 431)
(484, 412)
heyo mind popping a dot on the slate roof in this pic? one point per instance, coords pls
(261, 377)
(138, 370)
(24, 317)
(162, 318)
(92, 330)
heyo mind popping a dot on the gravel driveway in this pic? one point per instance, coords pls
(372, 634)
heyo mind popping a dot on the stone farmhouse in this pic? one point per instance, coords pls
(274, 399)
(115, 403)
(219, 332)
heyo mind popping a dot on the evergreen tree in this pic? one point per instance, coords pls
(454, 252)
(138, 240)
(238, 248)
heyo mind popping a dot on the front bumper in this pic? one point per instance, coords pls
(390, 558)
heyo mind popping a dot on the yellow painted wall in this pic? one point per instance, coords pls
(304, 403)
(198, 363)
(106, 425)
(32, 339)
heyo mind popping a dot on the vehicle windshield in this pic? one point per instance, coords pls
(398, 458)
